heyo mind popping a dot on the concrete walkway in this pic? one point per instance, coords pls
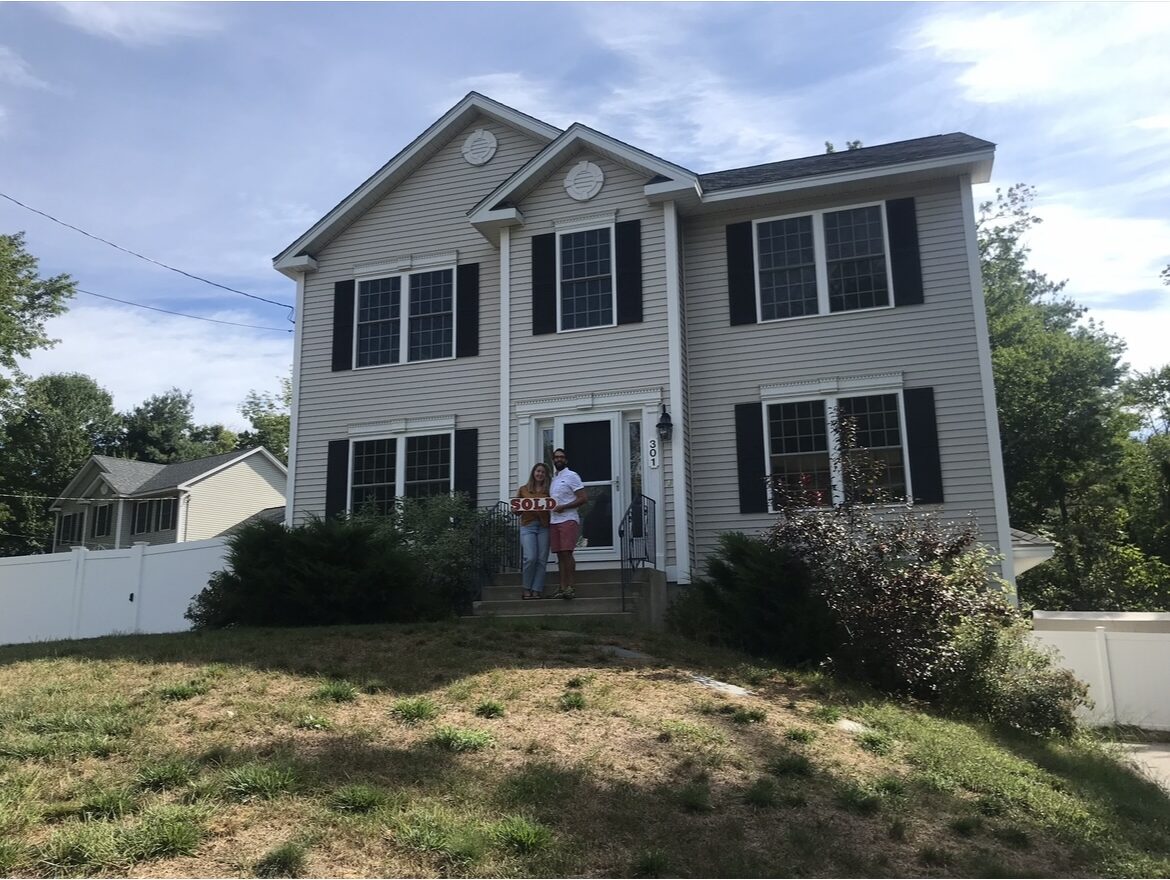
(1152, 758)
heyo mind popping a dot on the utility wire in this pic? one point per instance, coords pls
(181, 315)
(142, 256)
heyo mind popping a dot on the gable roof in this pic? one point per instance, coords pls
(129, 477)
(124, 474)
(300, 254)
(939, 147)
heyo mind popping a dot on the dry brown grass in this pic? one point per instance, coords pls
(649, 776)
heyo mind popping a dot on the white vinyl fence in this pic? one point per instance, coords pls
(1124, 658)
(88, 593)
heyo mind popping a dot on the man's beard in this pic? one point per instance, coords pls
(560, 466)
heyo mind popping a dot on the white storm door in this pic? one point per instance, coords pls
(594, 448)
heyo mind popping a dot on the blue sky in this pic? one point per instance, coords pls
(208, 136)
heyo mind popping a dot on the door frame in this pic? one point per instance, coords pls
(647, 402)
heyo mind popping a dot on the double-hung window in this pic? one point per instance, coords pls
(69, 529)
(389, 331)
(412, 466)
(822, 262)
(804, 455)
(585, 278)
(156, 515)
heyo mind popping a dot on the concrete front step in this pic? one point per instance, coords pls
(498, 592)
(540, 607)
(583, 576)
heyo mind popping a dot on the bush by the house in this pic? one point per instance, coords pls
(757, 598)
(411, 564)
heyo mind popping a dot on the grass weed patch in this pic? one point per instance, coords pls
(184, 690)
(258, 782)
(457, 739)
(801, 735)
(490, 709)
(286, 860)
(358, 798)
(337, 692)
(414, 710)
(165, 830)
(166, 774)
(571, 701)
(521, 835)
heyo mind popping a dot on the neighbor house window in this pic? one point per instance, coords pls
(377, 477)
(822, 262)
(803, 457)
(69, 528)
(101, 521)
(156, 515)
(585, 263)
(427, 323)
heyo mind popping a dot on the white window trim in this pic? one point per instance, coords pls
(403, 275)
(573, 229)
(399, 461)
(820, 261)
(154, 517)
(831, 398)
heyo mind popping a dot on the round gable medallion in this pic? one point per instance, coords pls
(584, 181)
(479, 147)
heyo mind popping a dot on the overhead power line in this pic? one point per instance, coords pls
(144, 257)
(181, 314)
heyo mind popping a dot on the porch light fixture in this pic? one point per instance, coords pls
(665, 426)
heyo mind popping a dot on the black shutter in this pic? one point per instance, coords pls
(343, 325)
(467, 310)
(741, 273)
(905, 263)
(467, 463)
(337, 477)
(749, 456)
(544, 283)
(922, 444)
(629, 271)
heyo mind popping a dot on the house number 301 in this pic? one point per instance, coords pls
(652, 452)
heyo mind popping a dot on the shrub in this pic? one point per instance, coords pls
(1004, 678)
(757, 598)
(412, 564)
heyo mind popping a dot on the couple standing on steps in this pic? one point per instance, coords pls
(558, 528)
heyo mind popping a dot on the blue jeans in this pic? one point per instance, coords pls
(534, 548)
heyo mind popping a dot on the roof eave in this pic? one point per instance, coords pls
(399, 167)
(489, 223)
(975, 164)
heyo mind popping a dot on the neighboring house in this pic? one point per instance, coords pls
(501, 287)
(116, 502)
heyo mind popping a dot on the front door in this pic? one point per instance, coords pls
(593, 444)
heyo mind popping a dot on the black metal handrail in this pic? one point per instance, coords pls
(637, 536)
(495, 548)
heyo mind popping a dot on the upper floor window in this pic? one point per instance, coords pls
(585, 260)
(427, 323)
(822, 262)
(804, 458)
(377, 477)
(101, 520)
(156, 515)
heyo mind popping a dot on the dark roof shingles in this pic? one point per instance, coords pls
(173, 475)
(918, 149)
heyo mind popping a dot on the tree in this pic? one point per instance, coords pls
(269, 416)
(161, 429)
(830, 147)
(58, 421)
(27, 301)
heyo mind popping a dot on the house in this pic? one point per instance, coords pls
(115, 502)
(502, 287)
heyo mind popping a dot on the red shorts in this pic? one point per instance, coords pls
(563, 536)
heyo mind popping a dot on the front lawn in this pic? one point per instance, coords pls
(491, 748)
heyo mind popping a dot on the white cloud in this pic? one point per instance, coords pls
(134, 354)
(15, 71)
(140, 24)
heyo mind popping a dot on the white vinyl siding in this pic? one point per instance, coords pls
(425, 214)
(217, 503)
(930, 345)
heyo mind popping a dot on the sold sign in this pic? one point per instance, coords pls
(527, 505)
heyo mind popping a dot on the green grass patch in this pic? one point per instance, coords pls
(184, 690)
(695, 797)
(651, 863)
(309, 721)
(441, 832)
(790, 764)
(685, 732)
(458, 739)
(337, 692)
(13, 854)
(825, 714)
(83, 849)
(801, 735)
(876, 742)
(258, 782)
(286, 860)
(748, 716)
(414, 710)
(490, 709)
(165, 774)
(165, 830)
(108, 803)
(358, 798)
(762, 793)
(571, 701)
(521, 835)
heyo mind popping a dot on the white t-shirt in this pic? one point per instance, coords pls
(563, 489)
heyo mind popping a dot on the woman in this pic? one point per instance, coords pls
(534, 533)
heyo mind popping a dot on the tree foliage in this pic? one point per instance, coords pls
(57, 421)
(268, 415)
(162, 429)
(27, 301)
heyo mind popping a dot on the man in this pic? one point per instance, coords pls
(568, 492)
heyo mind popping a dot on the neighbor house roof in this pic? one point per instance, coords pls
(174, 475)
(125, 474)
(129, 477)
